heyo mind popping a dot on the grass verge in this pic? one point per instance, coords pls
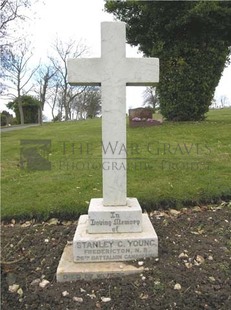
(170, 165)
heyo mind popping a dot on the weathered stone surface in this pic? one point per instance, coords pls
(113, 71)
(69, 271)
(122, 232)
(114, 247)
(114, 219)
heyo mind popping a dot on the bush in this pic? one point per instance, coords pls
(3, 120)
(6, 118)
(187, 83)
(30, 107)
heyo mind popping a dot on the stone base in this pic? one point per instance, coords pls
(114, 247)
(68, 271)
(114, 219)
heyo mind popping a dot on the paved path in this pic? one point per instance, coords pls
(17, 127)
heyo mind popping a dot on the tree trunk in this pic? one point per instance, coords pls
(20, 110)
(40, 118)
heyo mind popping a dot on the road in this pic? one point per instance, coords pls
(17, 127)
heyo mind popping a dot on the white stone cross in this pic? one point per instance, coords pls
(113, 72)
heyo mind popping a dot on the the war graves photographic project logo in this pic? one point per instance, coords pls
(34, 155)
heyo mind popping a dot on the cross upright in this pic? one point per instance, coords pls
(113, 72)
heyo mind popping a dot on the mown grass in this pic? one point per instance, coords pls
(174, 164)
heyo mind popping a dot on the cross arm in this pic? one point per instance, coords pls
(84, 71)
(142, 71)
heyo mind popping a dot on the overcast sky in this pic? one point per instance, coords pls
(80, 19)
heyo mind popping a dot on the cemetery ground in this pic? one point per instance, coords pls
(192, 271)
(180, 173)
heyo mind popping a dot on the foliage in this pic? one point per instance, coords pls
(3, 119)
(192, 40)
(6, 118)
(30, 107)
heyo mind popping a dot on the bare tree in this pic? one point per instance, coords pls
(87, 104)
(93, 106)
(79, 107)
(214, 103)
(150, 98)
(11, 13)
(17, 74)
(224, 101)
(64, 51)
(46, 81)
(54, 99)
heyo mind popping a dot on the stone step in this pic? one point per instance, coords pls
(68, 271)
(114, 247)
(114, 219)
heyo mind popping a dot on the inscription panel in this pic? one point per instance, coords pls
(114, 247)
(114, 250)
(68, 277)
(109, 219)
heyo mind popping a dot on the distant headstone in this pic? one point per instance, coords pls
(141, 113)
(115, 228)
(142, 117)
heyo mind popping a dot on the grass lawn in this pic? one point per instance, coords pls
(169, 165)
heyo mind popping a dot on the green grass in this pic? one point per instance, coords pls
(174, 164)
